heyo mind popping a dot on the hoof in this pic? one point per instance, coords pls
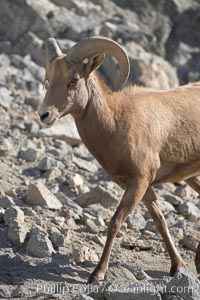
(96, 276)
(176, 268)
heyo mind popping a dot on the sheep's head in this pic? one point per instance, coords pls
(67, 75)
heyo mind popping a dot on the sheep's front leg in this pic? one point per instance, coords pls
(153, 206)
(132, 196)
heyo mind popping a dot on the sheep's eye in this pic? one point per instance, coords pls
(74, 80)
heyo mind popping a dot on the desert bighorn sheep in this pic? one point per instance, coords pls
(140, 136)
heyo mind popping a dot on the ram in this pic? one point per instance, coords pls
(141, 137)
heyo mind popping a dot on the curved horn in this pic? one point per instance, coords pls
(52, 49)
(96, 44)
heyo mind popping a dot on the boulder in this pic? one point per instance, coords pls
(91, 226)
(13, 213)
(39, 194)
(85, 165)
(98, 195)
(6, 201)
(191, 241)
(84, 254)
(39, 245)
(17, 233)
(185, 285)
(2, 212)
(5, 98)
(56, 237)
(139, 290)
(31, 154)
(136, 221)
(190, 211)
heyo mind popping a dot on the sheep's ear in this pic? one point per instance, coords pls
(93, 62)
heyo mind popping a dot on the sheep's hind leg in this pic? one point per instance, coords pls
(153, 207)
(132, 196)
(194, 183)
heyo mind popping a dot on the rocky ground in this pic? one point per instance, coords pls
(55, 200)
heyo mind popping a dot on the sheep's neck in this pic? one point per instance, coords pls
(96, 125)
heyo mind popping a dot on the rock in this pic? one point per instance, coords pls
(13, 213)
(118, 272)
(56, 237)
(166, 207)
(97, 210)
(190, 211)
(190, 241)
(31, 154)
(2, 212)
(126, 290)
(39, 244)
(5, 117)
(75, 182)
(32, 128)
(33, 101)
(65, 130)
(84, 254)
(68, 235)
(177, 233)
(139, 273)
(180, 224)
(136, 221)
(173, 199)
(85, 165)
(82, 152)
(63, 251)
(5, 98)
(97, 195)
(150, 226)
(99, 221)
(100, 240)
(6, 147)
(171, 297)
(28, 211)
(12, 193)
(139, 244)
(17, 232)
(150, 70)
(91, 226)
(46, 164)
(68, 213)
(185, 192)
(185, 285)
(85, 297)
(53, 174)
(71, 223)
(19, 292)
(59, 221)
(69, 204)
(6, 201)
(181, 35)
(39, 194)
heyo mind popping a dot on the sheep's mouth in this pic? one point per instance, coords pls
(49, 124)
(63, 114)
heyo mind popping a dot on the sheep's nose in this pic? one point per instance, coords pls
(44, 115)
